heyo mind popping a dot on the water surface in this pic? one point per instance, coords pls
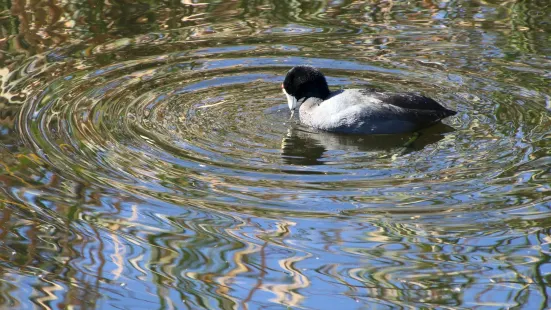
(147, 159)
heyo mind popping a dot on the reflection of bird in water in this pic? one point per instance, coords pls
(300, 147)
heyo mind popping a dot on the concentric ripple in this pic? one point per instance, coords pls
(208, 125)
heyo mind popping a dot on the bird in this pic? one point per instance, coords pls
(358, 111)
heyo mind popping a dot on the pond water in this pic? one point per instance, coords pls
(147, 159)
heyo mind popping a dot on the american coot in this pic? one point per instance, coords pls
(361, 111)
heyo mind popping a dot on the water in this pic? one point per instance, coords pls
(147, 159)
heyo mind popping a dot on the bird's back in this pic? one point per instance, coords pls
(369, 111)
